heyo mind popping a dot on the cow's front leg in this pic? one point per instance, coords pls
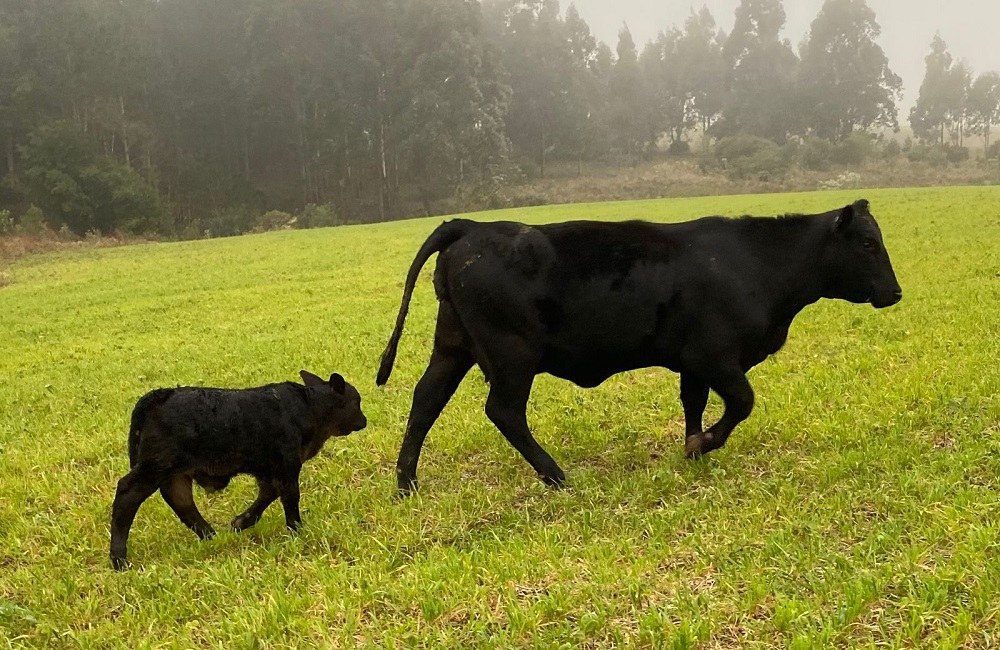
(266, 495)
(737, 394)
(506, 407)
(694, 397)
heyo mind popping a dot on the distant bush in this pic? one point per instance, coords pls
(318, 216)
(993, 151)
(845, 181)
(892, 150)
(228, 222)
(6, 223)
(32, 222)
(815, 154)
(67, 175)
(853, 150)
(679, 148)
(273, 220)
(751, 158)
(938, 155)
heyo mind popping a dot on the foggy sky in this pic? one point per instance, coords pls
(970, 27)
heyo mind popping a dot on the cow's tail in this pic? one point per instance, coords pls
(146, 403)
(444, 236)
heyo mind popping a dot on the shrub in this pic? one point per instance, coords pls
(815, 154)
(845, 181)
(679, 148)
(750, 157)
(938, 155)
(6, 223)
(228, 222)
(273, 220)
(853, 150)
(317, 216)
(892, 150)
(32, 222)
(75, 185)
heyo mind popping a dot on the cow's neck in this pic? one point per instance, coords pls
(791, 256)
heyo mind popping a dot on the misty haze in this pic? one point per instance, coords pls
(653, 324)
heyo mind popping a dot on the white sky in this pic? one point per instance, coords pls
(970, 27)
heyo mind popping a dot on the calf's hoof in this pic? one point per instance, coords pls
(241, 523)
(205, 533)
(119, 563)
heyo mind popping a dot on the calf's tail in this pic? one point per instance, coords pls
(146, 403)
(444, 236)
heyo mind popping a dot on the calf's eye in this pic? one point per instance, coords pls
(870, 244)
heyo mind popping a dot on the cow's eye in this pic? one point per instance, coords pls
(870, 245)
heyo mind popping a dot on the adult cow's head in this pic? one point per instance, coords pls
(856, 263)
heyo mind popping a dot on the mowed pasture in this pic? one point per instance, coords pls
(857, 507)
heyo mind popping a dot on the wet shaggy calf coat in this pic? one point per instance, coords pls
(708, 299)
(209, 435)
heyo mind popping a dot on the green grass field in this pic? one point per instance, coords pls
(857, 507)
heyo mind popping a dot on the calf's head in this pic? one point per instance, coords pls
(335, 403)
(855, 262)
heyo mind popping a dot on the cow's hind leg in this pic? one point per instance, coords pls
(176, 491)
(134, 488)
(694, 397)
(450, 362)
(266, 495)
(737, 394)
(506, 407)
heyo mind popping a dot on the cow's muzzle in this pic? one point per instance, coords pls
(887, 299)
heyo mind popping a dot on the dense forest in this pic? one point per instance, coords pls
(187, 117)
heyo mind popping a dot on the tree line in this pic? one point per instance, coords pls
(184, 117)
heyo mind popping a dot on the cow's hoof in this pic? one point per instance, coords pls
(119, 563)
(695, 446)
(405, 487)
(556, 480)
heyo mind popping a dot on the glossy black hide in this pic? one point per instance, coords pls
(209, 435)
(709, 299)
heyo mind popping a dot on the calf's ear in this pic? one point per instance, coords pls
(845, 218)
(310, 379)
(338, 383)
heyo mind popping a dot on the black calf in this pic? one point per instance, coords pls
(209, 435)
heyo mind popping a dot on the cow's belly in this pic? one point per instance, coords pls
(597, 342)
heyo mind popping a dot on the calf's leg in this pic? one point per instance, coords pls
(737, 394)
(176, 491)
(288, 491)
(133, 488)
(506, 407)
(266, 494)
(444, 373)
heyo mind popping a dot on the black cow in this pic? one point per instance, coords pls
(709, 299)
(209, 435)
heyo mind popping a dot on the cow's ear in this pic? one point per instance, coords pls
(338, 383)
(310, 379)
(845, 218)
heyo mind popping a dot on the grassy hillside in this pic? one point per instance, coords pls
(857, 506)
